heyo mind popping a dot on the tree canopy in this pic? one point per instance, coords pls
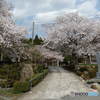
(72, 33)
(10, 34)
(38, 40)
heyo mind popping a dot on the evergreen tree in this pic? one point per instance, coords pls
(37, 40)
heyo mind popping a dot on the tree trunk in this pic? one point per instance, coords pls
(90, 59)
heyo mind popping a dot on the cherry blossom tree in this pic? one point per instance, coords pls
(10, 34)
(74, 34)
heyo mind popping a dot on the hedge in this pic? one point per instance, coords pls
(87, 71)
(20, 87)
(38, 77)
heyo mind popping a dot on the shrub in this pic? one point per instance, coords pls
(67, 58)
(38, 77)
(20, 87)
(92, 73)
(10, 72)
(45, 71)
(91, 70)
(69, 63)
(38, 69)
(3, 84)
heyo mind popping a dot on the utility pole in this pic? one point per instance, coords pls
(33, 32)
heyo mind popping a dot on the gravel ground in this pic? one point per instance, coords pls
(57, 84)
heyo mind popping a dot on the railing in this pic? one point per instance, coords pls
(37, 78)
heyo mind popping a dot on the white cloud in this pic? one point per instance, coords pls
(32, 7)
(19, 13)
(24, 8)
(88, 8)
(51, 16)
(47, 10)
(63, 3)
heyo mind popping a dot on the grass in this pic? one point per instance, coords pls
(88, 64)
(7, 92)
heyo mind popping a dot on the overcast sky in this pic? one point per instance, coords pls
(45, 11)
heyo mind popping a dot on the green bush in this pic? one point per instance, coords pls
(3, 84)
(68, 58)
(38, 69)
(10, 72)
(38, 77)
(69, 63)
(90, 69)
(20, 87)
(88, 64)
(45, 71)
(37, 40)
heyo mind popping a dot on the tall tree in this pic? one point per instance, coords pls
(10, 34)
(37, 40)
(74, 34)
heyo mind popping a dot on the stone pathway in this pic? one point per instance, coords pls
(56, 85)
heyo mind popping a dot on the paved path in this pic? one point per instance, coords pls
(56, 85)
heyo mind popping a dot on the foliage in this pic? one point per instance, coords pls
(39, 69)
(20, 87)
(88, 65)
(69, 63)
(6, 92)
(74, 34)
(27, 41)
(10, 72)
(3, 84)
(37, 40)
(87, 71)
(10, 34)
(68, 59)
(36, 57)
(38, 77)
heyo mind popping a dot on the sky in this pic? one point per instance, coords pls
(46, 11)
